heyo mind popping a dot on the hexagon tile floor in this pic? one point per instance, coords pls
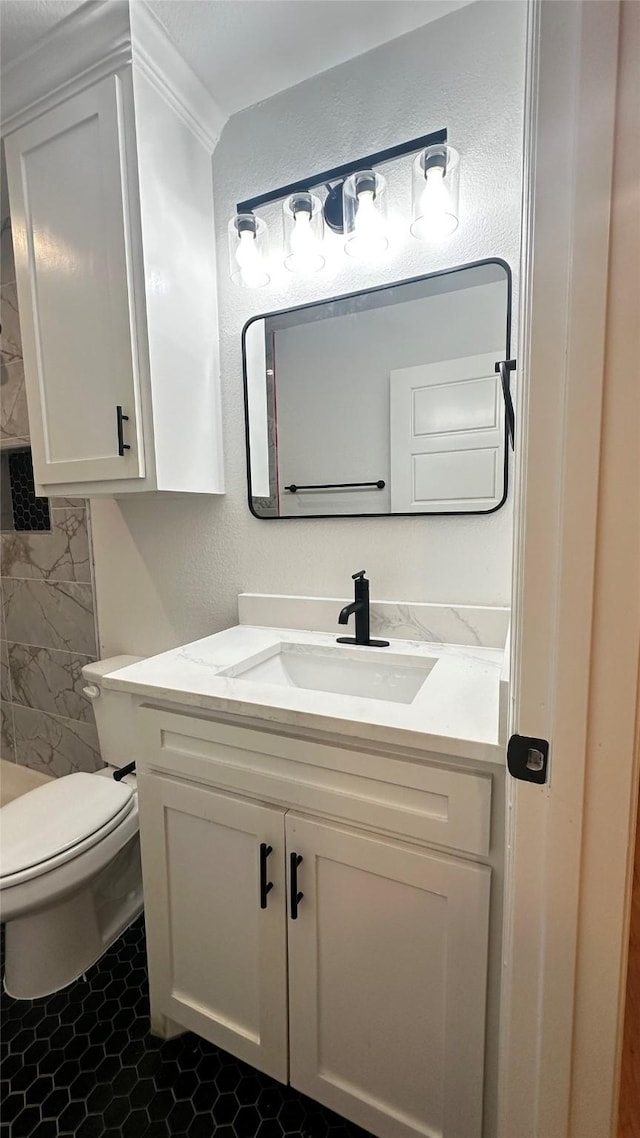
(82, 1063)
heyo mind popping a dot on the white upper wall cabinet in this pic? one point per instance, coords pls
(111, 199)
(68, 182)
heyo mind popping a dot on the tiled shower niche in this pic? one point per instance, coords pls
(21, 510)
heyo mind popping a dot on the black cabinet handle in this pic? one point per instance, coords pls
(296, 897)
(120, 419)
(265, 885)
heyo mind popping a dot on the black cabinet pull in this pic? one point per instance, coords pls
(296, 897)
(120, 419)
(265, 885)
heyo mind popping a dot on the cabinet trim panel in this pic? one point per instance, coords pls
(433, 804)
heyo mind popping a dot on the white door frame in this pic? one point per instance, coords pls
(569, 133)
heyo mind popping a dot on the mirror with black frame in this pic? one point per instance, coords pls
(387, 401)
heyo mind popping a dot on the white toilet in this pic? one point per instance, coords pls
(70, 879)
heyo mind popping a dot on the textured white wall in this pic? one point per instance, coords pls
(169, 569)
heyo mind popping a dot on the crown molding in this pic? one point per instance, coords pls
(160, 61)
(99, 38)
(91, 42)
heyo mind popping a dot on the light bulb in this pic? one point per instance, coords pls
(302, 239)
(246, 252)
(305, 256)
(247, 239)
(249, 261)
(303, 233)
(437, 219)
(369, 238)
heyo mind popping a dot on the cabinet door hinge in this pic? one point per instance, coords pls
(528, 758)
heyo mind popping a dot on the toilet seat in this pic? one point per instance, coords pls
(56, 822)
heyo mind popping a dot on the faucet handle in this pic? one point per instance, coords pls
(358, 576)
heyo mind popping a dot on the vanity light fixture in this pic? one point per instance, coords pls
(352, 200)
(435, 186)
(303, 233)
(247, 247)
(365, 215)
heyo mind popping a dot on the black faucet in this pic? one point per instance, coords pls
(359, 606)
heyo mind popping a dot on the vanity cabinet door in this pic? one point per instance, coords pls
(69, 183)
(217, 959)
(387, 982)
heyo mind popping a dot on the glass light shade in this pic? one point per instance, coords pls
(435, 192)
(364, 201)
(303, 233)
(248, 244)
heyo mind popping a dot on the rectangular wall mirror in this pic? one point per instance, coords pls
(381, 402)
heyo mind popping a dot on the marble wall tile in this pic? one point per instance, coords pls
(61, 555)
(16, 442)
(10, 338)
(14, 417)
(49, 680)
(53, 745)
(7, 266)
(46, 598)
(6, 732)
(50, 615)
(5, 686)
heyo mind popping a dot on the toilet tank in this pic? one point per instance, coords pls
(113, 711)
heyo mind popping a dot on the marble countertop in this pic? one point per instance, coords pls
(455, 713)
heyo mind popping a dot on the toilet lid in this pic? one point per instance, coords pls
(55, 817)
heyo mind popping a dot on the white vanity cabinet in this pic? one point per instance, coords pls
(349, 962)
(110, 187)
(387, 981)
(217, 960)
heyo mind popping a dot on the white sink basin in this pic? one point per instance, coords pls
(353, 672)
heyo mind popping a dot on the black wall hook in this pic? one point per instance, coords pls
(503, 368)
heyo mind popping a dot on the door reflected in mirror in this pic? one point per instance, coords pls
(381, 402)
